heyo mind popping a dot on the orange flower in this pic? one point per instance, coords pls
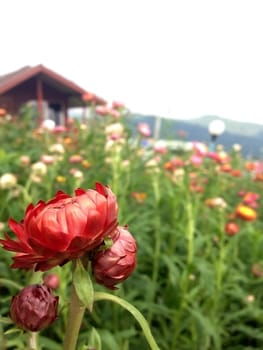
(258, 177)
(236, 173)
(68, 140)
(139, 196)
(86, 164)
(226, 167)
(250, 166)
(246, 213)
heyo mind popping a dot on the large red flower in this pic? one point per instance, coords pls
(62, 229)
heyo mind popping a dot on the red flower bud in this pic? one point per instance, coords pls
(62, 229)
(114, 265)
(231, 228)
(34, 308)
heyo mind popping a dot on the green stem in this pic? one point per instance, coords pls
(32, 341)
(190, 233)
(134, 311)
(76, 313)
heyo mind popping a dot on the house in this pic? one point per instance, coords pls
(52, 94)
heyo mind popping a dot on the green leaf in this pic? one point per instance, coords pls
(94, 340)
(83, 285)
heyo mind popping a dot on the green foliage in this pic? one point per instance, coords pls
(193, 282)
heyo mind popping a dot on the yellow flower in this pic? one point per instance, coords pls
(246, 213)
(60, 179)
(86, 164)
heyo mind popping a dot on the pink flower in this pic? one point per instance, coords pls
(144, 129)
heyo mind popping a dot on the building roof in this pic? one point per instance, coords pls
(13, 79)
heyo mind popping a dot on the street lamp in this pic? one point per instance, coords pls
(215, 128)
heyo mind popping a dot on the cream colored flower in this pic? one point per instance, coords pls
(57, 148)
(237, 147)
(7, 181)
(115, 128)
(39, 169)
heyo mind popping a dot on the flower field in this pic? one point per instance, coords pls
(196, 217)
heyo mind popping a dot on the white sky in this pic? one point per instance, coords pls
(181, 59)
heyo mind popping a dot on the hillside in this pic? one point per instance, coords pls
(249, 135)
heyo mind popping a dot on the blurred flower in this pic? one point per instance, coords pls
(250, 298)
(47, 159)
(236, 173)
(75, 158)
(226, 168)
(257, 270)
(61, 179)
(200, 148)
(250, 198)
(246, 213)
(139, 196)
(39, 169)
(196, 160)
(8, 181)
(88, 97)
(101, 110)
(51, 280)
(57, 148)
(78, 174)
(216, 202)
(231, 228)
(113, 129)
(24, 160)
(34, 308)
(115, 264)
(63, 228)
(160, 147)
(144, 129)
(219, 147)
(67, 141)
(237, 147)
(86, 164)
(58, 129)
(3, 112)
(48, 124)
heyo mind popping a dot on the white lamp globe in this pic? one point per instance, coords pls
(216, 127)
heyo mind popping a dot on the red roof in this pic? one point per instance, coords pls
(13, 79)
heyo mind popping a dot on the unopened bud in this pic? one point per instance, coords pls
(34, 308)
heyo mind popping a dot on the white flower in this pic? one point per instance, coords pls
(7, 181)
(39, 168)
(57, 148)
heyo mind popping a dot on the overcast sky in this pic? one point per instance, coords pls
(181, 59)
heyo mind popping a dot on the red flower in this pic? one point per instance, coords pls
(231, 228)
(62, 229)
(114, 265)
(34, 308)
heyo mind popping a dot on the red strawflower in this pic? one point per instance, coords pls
(231, 228)
(115, 264)
(34, 308)
(62, 229)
